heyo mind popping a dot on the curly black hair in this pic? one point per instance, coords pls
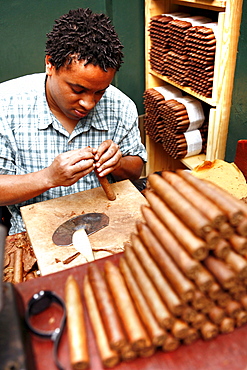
(84, 35)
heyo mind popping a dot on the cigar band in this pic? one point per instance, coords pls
(194, 111)
(194, 142)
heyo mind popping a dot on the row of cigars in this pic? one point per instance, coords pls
(182, 276)
(183, 49)
(177, 122)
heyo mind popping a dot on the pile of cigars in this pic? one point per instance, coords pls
(182, 276)
(183, 49)
(182, 133)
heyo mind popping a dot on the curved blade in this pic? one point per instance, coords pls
(90, 222)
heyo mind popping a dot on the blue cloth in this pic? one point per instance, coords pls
(31, 136)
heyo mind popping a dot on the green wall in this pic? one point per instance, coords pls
(24, 24)
(238, 118)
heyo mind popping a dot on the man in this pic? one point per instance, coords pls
(57, 129)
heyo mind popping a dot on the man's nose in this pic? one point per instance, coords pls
(87, 102)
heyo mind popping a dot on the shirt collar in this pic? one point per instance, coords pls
(45, 118)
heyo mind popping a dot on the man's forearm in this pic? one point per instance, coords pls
(130, 168)
(19, 188)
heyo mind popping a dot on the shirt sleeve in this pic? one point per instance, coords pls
(127, 133)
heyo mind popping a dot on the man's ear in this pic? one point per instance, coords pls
(48, 66)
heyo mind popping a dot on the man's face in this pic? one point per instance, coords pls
(73, 91)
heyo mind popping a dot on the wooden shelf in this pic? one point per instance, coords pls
(229, 17)
(185, 89)
(194, 161)
(216, 5)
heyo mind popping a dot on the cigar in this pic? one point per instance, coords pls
(227, 325)
(114, 330)
(222, 249)
(241, 228)
(204, 279)
(208, 208)
(78, 348)
(220, 197)
(188, 314)
(194, 245)
(240, 318)
(109, 357)
(181, 285)
(238, 292)
(233, 308)
(180, 329)
(216, 314)
(200, 301)
(209, 330)
(224, 299)
(158, 307)
(136, 333)
(171, 343)
(199, 320)
(237, 263)
(215, 291)
(225, 230)
(156, 333)
(180, 206)
(212, 239)
(221, 271)
(127, 353)
(171, 299)
(18, 266)
(147, 351)
(106, 186)
(192, 336)
(243, 301)
(238, 243)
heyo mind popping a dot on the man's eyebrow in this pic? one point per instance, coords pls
(77, 85)
(84, 88)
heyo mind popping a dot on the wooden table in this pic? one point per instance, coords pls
(42, 219)
(228, 352)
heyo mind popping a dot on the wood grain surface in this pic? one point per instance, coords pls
(42, 219)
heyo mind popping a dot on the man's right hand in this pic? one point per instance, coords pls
(67, 168)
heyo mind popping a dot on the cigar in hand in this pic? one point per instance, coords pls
(106, 186)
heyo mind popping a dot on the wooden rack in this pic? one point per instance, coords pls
(229, 17)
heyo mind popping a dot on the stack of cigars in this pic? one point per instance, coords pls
(167, 122)
(183, 49)
(182, 276)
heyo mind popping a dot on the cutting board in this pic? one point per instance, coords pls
(42, 219)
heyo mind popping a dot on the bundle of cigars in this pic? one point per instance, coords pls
(183, 49)
(177, 122)
(182, 276)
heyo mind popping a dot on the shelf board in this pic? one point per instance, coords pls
(194, 161)
(209, 101)
(216, 5)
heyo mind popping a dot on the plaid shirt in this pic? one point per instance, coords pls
(31, 136)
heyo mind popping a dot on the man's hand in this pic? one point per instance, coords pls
(67, 168)
(107, 158)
